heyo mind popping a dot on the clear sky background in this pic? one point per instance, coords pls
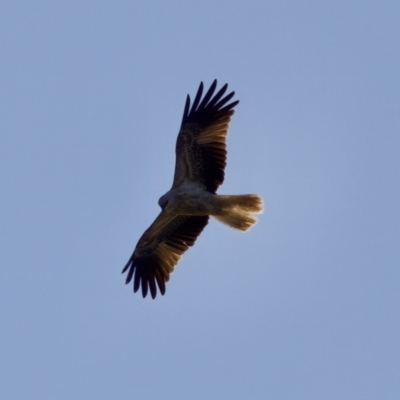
(304, 306)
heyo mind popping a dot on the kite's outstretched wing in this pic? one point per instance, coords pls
(201, 143)
(159, 250)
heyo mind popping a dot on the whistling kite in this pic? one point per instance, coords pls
(199, 170)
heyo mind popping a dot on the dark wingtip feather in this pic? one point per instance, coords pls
(230, 106)
(224, 100)
(160, 281)
(187, 106)
(197, 98)
(208, 95)
(153, 289)
(145, 286)
(129, 276)
(136, 282)
(162, 288)
(126, 266)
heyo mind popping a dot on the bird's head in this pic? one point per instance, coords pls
(163, 200)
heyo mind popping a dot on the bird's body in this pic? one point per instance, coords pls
(189, 198)
(186, 207)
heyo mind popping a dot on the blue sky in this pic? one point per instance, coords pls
(304, 306)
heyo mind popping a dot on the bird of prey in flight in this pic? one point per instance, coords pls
(186, 208)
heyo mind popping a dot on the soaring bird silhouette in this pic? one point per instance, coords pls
(186, 207)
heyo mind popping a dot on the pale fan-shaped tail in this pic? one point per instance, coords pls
(238, 211)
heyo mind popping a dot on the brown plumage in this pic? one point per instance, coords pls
(199, 171)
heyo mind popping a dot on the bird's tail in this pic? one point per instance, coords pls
(239, 211)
